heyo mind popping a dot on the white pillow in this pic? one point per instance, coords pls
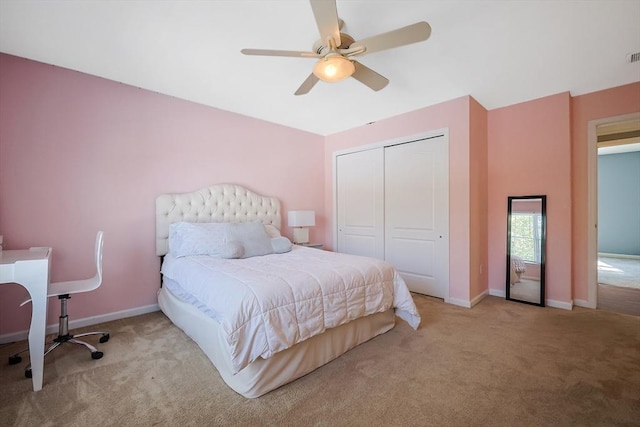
(272, 230)
(189, 238)
(280, 245)
(219, 239)
(251, 235)
(232, 249)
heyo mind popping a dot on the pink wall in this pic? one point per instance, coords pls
(526, 205)
(598, 105)
(79, 153)
(465, 225)
(478, 176)
(530, 154)
(536, 147)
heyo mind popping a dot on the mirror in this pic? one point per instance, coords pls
(526, 236)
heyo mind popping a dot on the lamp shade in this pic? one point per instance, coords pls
(301, 218)
(333, 68)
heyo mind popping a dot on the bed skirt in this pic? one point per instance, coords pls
(264, 375)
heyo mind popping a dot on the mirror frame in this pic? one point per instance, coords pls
(543, 240)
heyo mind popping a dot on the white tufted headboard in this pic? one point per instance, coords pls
(218, 203)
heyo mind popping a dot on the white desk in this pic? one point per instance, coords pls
(30, 268)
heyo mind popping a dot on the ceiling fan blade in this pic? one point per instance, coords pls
(326, 16)
(270, 52)
(414, 33)
(368, 77)
(307, 85)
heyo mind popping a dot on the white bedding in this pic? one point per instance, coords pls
(266, 304)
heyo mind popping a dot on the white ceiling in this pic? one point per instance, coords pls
(500, 52)
(619, 149)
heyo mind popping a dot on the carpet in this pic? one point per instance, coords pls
(619, 299)
(526, 290)
(619, 272)
(501, 363)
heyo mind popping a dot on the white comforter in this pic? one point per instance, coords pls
(269, 303)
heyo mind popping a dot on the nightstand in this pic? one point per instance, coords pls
(311, 245)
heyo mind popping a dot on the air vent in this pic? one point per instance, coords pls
(633, 57)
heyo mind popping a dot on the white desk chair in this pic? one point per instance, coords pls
(63, 290)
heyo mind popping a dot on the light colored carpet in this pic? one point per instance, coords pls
(619, 272)
(501, 363)
(526, 290)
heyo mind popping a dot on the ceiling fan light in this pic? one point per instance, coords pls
(333, 68)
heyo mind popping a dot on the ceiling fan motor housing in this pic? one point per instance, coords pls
(321, 48)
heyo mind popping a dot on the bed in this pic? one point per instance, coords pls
(266, 318)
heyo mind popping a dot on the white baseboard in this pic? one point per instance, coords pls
(498, 293)
(560, 304)
(479, 298)
(458, 302)
(466, 303)
(550, 303)
(583, 303)
(81, 323)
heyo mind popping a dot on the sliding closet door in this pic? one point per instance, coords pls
(417, 214)
(360, 206)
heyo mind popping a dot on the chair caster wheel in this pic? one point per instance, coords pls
(104, 338)
(27, 373)
(14, 360)
(97, 355)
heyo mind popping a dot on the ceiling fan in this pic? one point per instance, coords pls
(335, 49)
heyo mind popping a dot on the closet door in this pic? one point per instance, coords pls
(417, 214)
(360, 203)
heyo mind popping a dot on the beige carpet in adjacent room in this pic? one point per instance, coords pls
(619, 285)
(501, 363)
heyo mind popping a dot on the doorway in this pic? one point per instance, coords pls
(615, 245)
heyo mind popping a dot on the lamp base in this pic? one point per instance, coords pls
(300, 235)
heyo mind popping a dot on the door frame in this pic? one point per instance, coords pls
(592, 204)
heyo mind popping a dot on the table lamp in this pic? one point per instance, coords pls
(300, 220)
